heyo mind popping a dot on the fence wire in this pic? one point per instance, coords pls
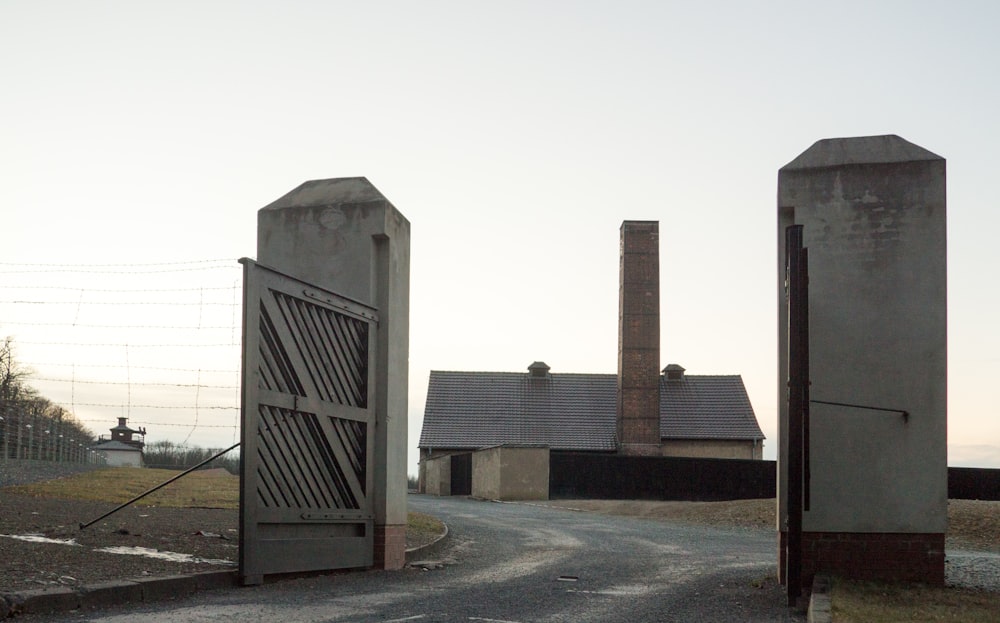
(156, 343)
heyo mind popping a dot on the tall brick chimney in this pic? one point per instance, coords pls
(639, 339)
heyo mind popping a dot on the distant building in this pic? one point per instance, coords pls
(699, 416)
(640, 411)
(121, 449)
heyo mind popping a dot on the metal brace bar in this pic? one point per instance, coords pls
(905, 414)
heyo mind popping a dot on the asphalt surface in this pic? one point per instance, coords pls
(507, 563)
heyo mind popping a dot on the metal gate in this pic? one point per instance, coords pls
(307, 427)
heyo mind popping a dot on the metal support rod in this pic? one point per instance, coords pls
(798, 404)
(904, 413)
(159, 486)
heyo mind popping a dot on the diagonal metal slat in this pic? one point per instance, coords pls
(277, 371)
(350, 476)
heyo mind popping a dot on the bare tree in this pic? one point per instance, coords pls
(35, 426)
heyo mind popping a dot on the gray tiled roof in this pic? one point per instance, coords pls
(573, 411)
(707, 407)
(481, 409)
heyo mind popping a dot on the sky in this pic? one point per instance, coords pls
(138, 140)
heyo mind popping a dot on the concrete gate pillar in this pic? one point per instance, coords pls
(343, 235)
(873, 217)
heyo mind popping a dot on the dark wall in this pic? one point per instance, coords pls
(973, 483)
(615, 477)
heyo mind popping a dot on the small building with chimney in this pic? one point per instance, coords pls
(697, 415)
(122, 448)
(640, 411)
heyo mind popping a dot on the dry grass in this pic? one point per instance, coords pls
(213, 488)
(422, 529)
(736, 513)
(867, 602)
(972, 524)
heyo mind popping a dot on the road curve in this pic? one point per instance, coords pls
(521, 563)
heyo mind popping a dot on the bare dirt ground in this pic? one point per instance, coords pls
(972, 524)
(74, 557)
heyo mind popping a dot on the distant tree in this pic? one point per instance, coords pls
(168, 455)
(55, 433)
(12, 375)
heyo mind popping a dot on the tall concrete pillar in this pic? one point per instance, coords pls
(344, 235)
(873, 217)
(639, 339)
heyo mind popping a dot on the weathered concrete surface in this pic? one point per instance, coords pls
(438, 475)
(511, 473)
(873, 211)
(343, 235)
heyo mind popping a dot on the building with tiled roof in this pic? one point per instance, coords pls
(707, 416)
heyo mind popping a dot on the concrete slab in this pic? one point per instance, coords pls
(212, 580)
(43, 601)
(169, 587)
(113, 593)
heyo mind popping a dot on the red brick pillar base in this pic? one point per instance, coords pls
(894, 556)
(390, 547)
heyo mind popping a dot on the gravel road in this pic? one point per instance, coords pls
(518, 563)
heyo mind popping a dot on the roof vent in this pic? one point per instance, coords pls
(673, 372)
(539, 369)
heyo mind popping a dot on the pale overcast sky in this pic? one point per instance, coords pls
(515, 137)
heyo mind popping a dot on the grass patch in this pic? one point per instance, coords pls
(875, 602)
(424, 523)
(211, 488)
(200, 489)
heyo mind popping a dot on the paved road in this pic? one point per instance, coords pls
(522, 563)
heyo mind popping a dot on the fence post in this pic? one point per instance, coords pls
(798, 403)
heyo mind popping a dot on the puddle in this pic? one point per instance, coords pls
(130, 551)
(37, 538)
(160, 555)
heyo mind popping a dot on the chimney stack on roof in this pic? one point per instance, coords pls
(673, 372)
(539, 369)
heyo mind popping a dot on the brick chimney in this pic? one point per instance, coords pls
(639, 339)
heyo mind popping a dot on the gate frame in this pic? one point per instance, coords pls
(251, 569)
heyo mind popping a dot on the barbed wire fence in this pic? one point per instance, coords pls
(158, 344)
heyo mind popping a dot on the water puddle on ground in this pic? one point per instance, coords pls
(38, 538)
(128, 551)
(161, 555)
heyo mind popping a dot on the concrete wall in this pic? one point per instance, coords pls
(714, 449)
(122, 458)
(511, 473)
(426, 455)
(873, 211)
(344, 235)
(437, 476)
